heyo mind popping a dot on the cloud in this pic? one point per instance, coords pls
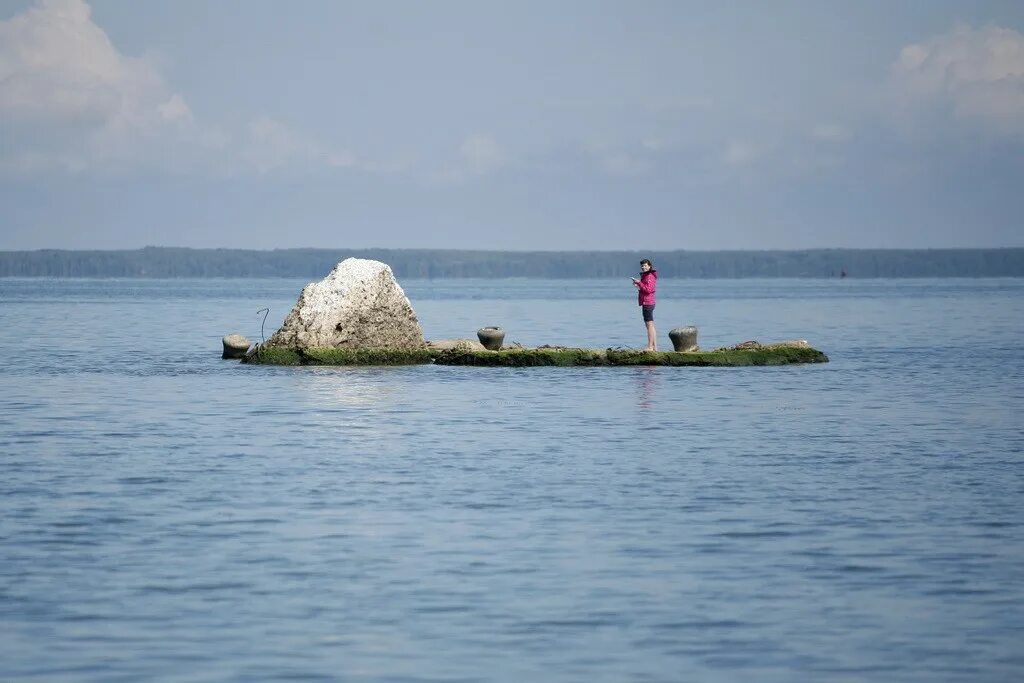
(481, 154)
(623, 159)
(977, 75)
(624, 164)
(271, 144)
(56, 65)
(829, 132)
(738, 153)
(72, 101)
(478, 155)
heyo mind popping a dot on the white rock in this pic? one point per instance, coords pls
(359, 305)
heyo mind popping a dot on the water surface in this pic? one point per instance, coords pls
(168, 515)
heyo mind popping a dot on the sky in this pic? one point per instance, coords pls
(577, 125)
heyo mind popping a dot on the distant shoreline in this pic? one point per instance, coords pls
(173, 262)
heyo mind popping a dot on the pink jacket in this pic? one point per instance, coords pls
(648, 283)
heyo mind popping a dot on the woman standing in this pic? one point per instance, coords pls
(646, 285)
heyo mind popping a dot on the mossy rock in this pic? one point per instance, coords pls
(536, 357)
(280, 355)
(524, 358)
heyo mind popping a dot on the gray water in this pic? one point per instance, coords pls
(166, 515)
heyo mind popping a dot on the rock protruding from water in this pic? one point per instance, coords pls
(684, 339)
(359, 305)
(754, 345)
(235, 346)
(491, 337)
(460, 344)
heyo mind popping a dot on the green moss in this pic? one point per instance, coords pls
(721, 357)
(368, 356)
(277, 355)
(520, 358)
(272, 355)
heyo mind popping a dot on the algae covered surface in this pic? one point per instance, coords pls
(536, 357)
(282, 355)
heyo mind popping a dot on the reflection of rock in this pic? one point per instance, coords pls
(235, 346)
(359, 305)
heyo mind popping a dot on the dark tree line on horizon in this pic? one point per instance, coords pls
(170, 262)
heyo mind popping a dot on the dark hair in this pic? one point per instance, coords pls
(647, 261)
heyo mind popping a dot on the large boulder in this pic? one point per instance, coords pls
(359, 305)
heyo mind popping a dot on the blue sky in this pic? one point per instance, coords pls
(526, 125)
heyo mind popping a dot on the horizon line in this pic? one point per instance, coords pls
(508, 251)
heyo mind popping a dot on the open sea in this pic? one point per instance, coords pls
(168, 515)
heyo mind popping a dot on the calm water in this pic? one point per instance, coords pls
(168, 515)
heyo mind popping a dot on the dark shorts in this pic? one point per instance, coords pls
(648, 312)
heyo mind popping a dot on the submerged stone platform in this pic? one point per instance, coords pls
(359, 315)
(746, 354)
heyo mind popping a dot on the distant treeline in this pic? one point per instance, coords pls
(161, 262)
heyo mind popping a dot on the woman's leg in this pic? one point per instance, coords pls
(652, 336)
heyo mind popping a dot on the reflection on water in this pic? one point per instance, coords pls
(647, 386)
(350, 387)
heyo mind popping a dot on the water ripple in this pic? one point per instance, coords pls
(168, 515)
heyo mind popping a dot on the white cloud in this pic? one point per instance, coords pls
(623, 164)
(656, 144)
(977, 74)
(829, 132)
(481, 154)
(624, 160)
(478, 155)
(270, 145)
(738, 153)
(175, 109)
(675, 105)
(78, 103)
(57, 65)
